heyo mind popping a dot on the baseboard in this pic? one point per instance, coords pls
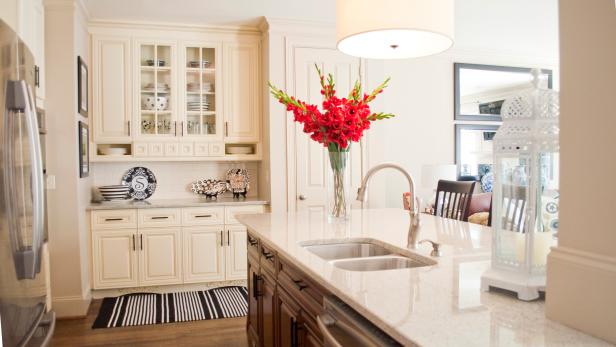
(580, 291)
(67, 307)
(102, 293)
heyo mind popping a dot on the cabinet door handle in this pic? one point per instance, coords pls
(175, 128)
(160, 217)
(203, 216)
(141, 241)
(128, 128)
(226, 128)
(134, 243)
(37, 76)
(182, 126)
(113, 219)
(293, 332)
(221, 238)
(228, 242)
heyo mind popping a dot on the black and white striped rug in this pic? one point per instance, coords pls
(150, 308)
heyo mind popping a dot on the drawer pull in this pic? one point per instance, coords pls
(299, 285)
(113, 219)
(134, 243)
(160, 217)
(203, 216)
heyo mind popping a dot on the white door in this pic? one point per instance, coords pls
(160, 256)
(111, 89)
(204, 254)
(311, 159)
(241, 97)
(115, 258)
(236, 254)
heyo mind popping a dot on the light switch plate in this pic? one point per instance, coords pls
(51, 182)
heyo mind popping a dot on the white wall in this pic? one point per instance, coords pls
(65, 39)
(173, 180)
(514, 33)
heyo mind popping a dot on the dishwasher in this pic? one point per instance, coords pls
(342, 326)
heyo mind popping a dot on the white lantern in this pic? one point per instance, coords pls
(525, 195)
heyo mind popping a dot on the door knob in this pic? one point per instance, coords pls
(302, 197)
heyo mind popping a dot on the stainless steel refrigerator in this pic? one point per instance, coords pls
(24, 318)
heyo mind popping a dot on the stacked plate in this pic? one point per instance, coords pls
(194, 104)
(114, 192)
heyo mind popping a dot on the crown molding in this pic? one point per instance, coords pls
(296, 26)
(146, 25)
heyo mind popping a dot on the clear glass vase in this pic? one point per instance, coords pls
(339, 185)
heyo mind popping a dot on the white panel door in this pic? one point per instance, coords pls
(311, 159)
(111, 85)
(204, 254)
(160, 259)
(236, 254)
(114, 258)
(241, 91)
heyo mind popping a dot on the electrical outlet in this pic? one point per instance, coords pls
(51, 182)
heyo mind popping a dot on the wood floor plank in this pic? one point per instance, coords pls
(230, 332)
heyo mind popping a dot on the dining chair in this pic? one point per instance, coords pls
(453, 199)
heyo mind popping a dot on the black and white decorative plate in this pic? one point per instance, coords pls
(141, 181)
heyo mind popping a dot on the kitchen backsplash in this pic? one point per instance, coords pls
(173, 178)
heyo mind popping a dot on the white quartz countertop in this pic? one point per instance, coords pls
(173, 203)
(439, 305)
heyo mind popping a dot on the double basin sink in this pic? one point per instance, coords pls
(366, 255)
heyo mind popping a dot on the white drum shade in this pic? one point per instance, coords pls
(394, 29)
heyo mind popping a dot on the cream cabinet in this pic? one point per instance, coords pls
(111, 89)
(167, 95)
(236, 252)
(204, 255)
(241, 98)
(160, 246)
(160, 256)
(114, 258)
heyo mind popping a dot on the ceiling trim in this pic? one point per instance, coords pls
(103, 23)
(287, 25)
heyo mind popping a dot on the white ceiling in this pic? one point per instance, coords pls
(211, 12)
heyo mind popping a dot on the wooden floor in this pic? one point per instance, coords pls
(229, 332)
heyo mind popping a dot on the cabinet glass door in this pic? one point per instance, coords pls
(200, 102)
(156, 84)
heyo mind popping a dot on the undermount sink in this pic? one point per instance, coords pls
(332, 251)
(366, 255)
(378, 263)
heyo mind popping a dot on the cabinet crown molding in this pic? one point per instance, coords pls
(296, 26)
(199, 28)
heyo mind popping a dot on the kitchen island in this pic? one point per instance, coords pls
(435, 305)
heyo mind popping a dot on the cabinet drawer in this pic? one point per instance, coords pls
(307, 292)
(159, 217)
(203, 216)
(252, 243)
(114, 219)
(232, 211)
(269, 259)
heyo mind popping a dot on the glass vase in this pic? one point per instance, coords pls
(339, 185)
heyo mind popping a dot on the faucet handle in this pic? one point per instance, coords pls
(436, 251)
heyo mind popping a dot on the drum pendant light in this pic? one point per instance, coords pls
(394, 29)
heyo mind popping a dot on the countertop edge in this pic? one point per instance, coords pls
(171, 203)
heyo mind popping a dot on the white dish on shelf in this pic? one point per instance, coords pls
(239, 150)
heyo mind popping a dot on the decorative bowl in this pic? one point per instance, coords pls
(159, 62)
(211, 188)
(113, 150)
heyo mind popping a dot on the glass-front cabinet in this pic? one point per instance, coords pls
(202, 104)
(157, 94)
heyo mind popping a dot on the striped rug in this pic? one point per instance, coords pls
(150, 308)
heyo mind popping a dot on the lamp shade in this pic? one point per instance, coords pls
(431, 174)
(394, 29)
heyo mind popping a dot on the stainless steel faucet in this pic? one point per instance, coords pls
(414, 204)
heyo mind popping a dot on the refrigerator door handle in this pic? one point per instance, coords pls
(49, 324)
(38, 199)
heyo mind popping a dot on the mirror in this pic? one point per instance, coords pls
(474, 150)
(480, 90)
